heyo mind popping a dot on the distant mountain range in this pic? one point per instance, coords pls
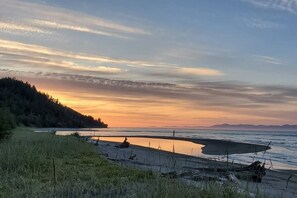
(35, 109)
(255, 127)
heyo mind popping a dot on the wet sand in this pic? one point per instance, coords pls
(158, 161)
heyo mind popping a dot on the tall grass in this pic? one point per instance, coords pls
(44, 165)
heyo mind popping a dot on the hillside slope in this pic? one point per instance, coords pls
(33, 108)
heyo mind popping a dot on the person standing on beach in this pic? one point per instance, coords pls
(173, 133)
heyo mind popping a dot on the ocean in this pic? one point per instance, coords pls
(282, 155)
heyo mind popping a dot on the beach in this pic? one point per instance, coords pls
(282, 154)
(273, 184)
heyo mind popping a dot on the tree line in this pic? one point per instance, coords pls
(35, 109)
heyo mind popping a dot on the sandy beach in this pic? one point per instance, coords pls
(213, 146)
(274, 183)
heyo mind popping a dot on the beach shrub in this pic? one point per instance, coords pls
(7, 123)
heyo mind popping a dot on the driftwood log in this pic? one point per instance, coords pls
(254, 172)
(124, 144)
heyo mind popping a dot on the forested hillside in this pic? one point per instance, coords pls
(33, 108)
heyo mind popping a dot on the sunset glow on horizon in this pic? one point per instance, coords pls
(157, 64)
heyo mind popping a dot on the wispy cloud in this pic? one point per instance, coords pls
(268, 59)
(29, 50)
(14, 28)
(18, 48)
(186, 73)
(261, 24)
(199, 71)
(40, 59)
(286, 5)
(55, 25)
(60, 66)
(42, 17)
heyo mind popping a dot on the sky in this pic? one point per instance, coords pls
(166, 63)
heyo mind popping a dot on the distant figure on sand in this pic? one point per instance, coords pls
(173, 133)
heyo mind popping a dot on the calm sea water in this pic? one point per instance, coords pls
(282, 155)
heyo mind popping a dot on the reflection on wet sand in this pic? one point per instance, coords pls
(176, 146)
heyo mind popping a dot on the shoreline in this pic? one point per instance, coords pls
(211, 146)
(158, 161)
(281, 153)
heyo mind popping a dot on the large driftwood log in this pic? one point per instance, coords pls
(254, 172)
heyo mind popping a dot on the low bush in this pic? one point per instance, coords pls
(7, 123)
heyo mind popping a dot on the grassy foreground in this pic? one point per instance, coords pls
(44, 165)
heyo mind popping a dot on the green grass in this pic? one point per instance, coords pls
(44, 165)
